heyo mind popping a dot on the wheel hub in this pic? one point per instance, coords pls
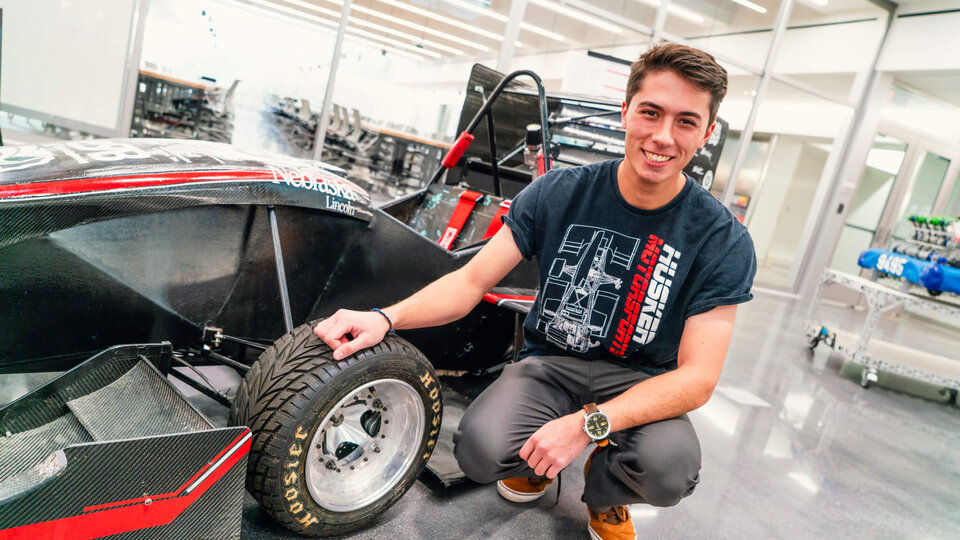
(363, 446)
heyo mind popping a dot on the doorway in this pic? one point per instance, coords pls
(905, 174)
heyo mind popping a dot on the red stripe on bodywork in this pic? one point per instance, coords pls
(172, 493)
(83, 185)
(124, 519)
(494, 298)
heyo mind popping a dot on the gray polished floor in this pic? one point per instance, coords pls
(793, 447)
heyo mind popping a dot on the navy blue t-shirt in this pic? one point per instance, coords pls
(618, 282)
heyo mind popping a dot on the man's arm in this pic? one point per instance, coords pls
(703, 348)
(445, 300)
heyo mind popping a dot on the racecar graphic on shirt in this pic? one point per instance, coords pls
(602, 279)
(578, 299)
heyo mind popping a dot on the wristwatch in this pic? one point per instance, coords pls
(596, 425)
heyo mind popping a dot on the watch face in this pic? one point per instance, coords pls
(597, 426)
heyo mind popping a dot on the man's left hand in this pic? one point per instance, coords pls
(555, 445)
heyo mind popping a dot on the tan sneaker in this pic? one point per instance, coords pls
(523, 490)
(612, 525)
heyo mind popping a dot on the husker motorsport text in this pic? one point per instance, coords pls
(648, 295)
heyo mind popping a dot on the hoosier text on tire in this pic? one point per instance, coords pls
(335, 443)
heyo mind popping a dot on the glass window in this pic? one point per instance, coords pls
(741, 29)
(256, 91)
(591, 49)
(402, 82)
(735, 108)
(801, 129)
(817, 31)
(936, 116)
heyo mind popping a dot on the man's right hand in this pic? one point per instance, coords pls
(366, 327)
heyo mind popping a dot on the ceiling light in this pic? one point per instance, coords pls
(309, 21)
(360, 22)
(408, 24)
(406, 46)
(441, 18)
(486, 12)
(391, 50)
(332, 24)
(408, 37)
(750, 5)
(578, 15)
(683, 13)
(542, 32)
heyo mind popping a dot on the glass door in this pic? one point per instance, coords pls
(884, 163)
(921, 193)
(905, 174)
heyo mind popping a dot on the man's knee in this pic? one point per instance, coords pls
(664, 473)
(480, 452)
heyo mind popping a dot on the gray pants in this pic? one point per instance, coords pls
(657, 463)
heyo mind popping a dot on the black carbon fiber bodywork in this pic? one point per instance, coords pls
(183, 241)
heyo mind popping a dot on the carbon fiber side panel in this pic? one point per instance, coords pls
(49, 402)
(138, 404)
(101, 478)
(23, 450)
(217, 515)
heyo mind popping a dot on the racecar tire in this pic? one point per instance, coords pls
(335, 443)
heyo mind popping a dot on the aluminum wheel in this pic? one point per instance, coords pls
(366, 443)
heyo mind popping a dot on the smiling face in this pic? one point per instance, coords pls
(665, 124)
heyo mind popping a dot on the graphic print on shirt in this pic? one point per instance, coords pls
(649, 290)
(580, 295)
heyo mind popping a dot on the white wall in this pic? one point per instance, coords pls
(769, 201)
(797, 203)
(66, 58)
(930, 42)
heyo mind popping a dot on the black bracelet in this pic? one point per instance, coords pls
(380, 311)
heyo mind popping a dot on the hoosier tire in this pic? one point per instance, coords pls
(335, 443)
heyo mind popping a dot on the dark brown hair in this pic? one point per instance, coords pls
(692, 65)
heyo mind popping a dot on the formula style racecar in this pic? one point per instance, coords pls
(122, 258)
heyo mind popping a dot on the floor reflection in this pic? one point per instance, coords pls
(794, 450)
